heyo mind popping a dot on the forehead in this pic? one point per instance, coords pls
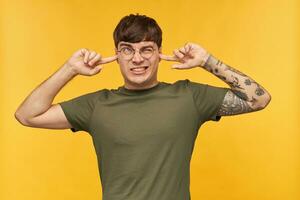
(138, 44)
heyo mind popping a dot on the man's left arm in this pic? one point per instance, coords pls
(245, 94)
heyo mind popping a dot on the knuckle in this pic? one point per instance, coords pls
(85, 50)
(92, 53)
(97, 56)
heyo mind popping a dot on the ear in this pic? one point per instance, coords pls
(159, 51)
(116, 52)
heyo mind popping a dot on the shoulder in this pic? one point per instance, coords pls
(188, 83)
(192, 86)
(93, 96)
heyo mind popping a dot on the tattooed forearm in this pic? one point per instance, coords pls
(258, 91)
(233, 105)
(235, 82)
(241, 85)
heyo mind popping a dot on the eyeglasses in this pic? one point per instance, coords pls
(128, 52)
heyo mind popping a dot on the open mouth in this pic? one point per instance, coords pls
(139, 70)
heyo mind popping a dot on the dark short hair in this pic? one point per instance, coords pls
(137, 28)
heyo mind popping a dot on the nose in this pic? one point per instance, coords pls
(137, 58)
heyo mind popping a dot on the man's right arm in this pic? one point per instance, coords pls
(37, 109)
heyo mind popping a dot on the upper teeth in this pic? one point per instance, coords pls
(138, 68)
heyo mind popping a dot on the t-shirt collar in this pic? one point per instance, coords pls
(124, 90)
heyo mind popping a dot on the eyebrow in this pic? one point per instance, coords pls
(128, 45)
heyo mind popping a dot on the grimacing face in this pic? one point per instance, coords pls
(139, 72)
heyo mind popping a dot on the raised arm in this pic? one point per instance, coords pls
(246, 95)
(37, 109)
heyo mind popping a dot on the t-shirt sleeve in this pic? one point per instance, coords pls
(78, 111)
(208, 99)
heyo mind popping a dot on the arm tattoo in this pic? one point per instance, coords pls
(241, 94)
(258, 90)
(246, 95)
(233, 105)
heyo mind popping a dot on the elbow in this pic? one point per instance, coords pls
(21, 119)
(268, 100)
(264, 102)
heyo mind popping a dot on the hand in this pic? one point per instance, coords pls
(190, 55)
(87, 62)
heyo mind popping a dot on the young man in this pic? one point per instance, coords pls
(144, 131)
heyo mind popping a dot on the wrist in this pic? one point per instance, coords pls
(204, 60)
(69, 70)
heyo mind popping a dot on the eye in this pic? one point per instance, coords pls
(127, 50)
(147, 50)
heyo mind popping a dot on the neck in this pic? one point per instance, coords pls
(140, 87)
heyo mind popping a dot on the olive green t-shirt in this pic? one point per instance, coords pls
(144, 139)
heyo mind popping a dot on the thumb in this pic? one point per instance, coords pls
(96, 70)
(179, 66)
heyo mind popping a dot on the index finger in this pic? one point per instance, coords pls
(108, 59)
(168, 58)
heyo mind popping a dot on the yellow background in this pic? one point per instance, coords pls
(254, 156)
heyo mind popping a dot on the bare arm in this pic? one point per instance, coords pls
(246, 95)
(37, 109)
(41, 98)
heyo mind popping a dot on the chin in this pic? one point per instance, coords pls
(139, 81)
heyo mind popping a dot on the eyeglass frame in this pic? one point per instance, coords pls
(139, 50)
